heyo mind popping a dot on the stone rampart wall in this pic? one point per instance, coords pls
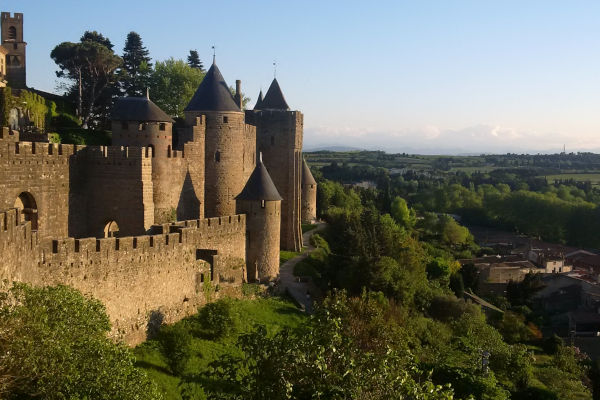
(142, 280)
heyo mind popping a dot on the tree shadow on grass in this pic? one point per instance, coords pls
(158, 368)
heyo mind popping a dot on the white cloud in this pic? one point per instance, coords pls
(480, 138)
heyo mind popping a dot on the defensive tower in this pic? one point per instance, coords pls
(279, 138)
(261, 203)
(178, 183)
(309, 195)
(224, 143)
(12, 41)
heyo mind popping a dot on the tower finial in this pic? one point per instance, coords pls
(214, 53)
(274, 69)
(260, 156)
(148, 93)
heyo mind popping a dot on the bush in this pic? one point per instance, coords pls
(175, 342)
(320, 243)
(217, 319)
(53, 345)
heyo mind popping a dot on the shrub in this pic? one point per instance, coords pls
(175, 343)
(320, 243)
(217, 318)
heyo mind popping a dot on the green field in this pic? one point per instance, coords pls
(274, 313)
(593, 178)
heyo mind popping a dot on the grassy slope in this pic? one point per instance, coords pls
(274, 313)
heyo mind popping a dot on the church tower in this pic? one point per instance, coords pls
(12, 41)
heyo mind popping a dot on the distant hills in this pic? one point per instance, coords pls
(332, 148)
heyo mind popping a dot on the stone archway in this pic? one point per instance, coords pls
(27, 208)
(111, 229)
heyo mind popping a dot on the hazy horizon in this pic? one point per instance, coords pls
(439, 77)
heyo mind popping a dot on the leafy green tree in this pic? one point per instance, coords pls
(343, 353)
(402, 214)
(54, 345)
(217, 318)
(137, 68)
(193, 60)
(172, 85)
(90, 65)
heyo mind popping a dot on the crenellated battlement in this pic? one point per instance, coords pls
(162, 238)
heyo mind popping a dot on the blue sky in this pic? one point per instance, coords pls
(427, 76)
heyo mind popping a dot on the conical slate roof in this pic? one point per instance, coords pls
(260, 186)
(307, 177)
(138, 109)
(213, 94)
(274, 99)
(259, 102)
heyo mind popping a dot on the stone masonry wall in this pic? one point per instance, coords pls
(18, 248)
(279, 138)
(44, 171)
(142, 280)
(118, 187)
(309, 203)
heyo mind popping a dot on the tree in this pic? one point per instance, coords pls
(93, 36)
(193, 60)
(402, 214)
(137, 68)
(53, 345)
(345, 352)
(172, 85)
(90, 64)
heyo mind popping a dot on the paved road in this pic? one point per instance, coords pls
(290, 283)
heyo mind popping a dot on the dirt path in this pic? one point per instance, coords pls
(290, 283)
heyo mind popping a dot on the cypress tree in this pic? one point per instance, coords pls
(136, 66)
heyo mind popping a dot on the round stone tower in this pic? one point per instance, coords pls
(261, 203)
(137, 121)
(309, 195)
(224, 142)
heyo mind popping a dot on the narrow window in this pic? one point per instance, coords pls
(162, 126)
(262, 204)
(15, 46)
(217, 156)
(124, 126)
(225, 120)
(272, 140)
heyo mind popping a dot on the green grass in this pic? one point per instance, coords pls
(274, 313)
(287, 255)
(308, 227)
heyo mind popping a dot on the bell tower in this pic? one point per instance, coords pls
(12, 41)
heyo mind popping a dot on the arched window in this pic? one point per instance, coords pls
(27, 209)
(111, 229)
(12, 33)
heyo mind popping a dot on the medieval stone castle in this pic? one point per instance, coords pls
(155, 223)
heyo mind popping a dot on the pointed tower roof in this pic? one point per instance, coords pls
(138, 109)
(260, 186)
(259, 102)
(307, 177)
(274, 99)
(213, 94)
